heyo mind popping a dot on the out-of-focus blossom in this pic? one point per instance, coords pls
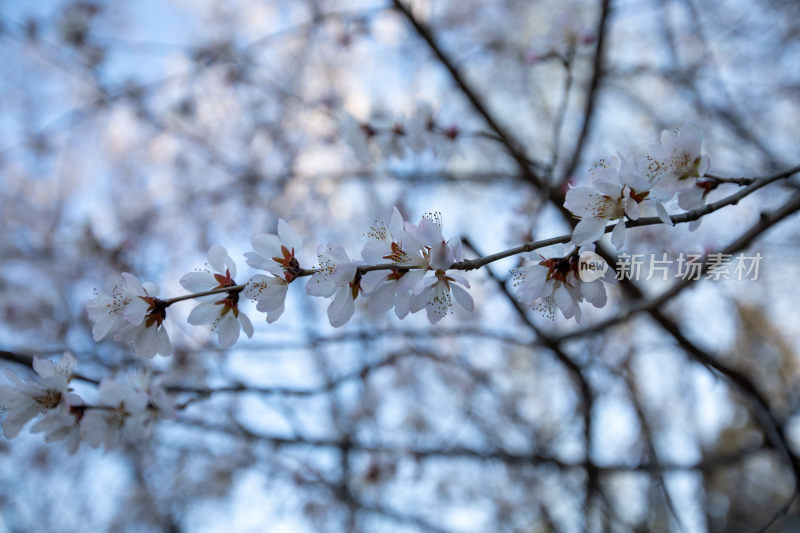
(121, 410)
(23, 400)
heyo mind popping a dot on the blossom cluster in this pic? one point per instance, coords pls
(124, 408)
(628, 188)
(634, 187)
(416, 257)
(397, 136)
(403, 266)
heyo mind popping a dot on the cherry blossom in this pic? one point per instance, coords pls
(677, 161)
(554, 283)
(269, 292)
(23, 400)
(121, 409)
(133, 311)
(123, 305)
(434, 295)
(438, 253)
(395, 245)
(222, 313)
(617, 192)
(276, 253)
(336, 276)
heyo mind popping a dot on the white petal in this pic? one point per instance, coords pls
(146, 344)
(205, 313)
(320, 284)
(275, 314)
(462, 297)
(217, 258)
(341, 308)
(402, 303)
(581, 200)
(198, 281)
(396, 224)
(589, 229)
(228, 331)
(442, 256)
(164, 344)
(343, 274)
(289, 237)
(429, 233)
(265, 245)
(594, 292)
(564, 301)
(44, 367)
(662, 214)
(425, 284)
(691, 198)
(247, 326)
(632, 209)
(420, 300)
(133, 284)
(382, 299)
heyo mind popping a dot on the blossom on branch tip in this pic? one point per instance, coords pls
(219, 310)
(132, 310)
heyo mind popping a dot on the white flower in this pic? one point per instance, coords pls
(276, 253)
(434, 294)
(617, 192)
(123, 305)
(555, 283)
(121, 409)
(223, 314)
(24, 400)
(133, 311)
(438, 254)
(269, 292)
(677, 161)
(336, 276)
(397, 246)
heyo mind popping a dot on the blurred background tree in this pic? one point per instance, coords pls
(135, 135)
